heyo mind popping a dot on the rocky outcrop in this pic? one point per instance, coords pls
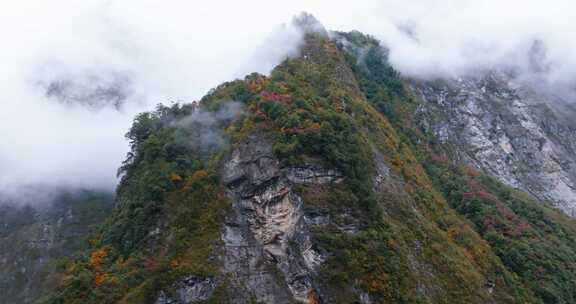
(268, 254)
(507, 130)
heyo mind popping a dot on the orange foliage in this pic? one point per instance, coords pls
(98, 278)
(469, 254)
(174, 263)
(471, 172)
(311, 299)
(315, 126)
(200, 174)
(97, 257)
(330, 49)
(175, 178)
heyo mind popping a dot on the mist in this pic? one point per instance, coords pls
(75, 73)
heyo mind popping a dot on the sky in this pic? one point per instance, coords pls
(57, 54)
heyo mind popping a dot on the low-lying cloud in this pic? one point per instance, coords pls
(439, 38)
(74, 73)
(208, 135)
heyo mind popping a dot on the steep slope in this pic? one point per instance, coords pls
(34, 239)
(322, 188)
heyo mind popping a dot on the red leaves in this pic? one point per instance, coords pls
(440, 159)
(502, 217)
(489, 222)
(273, 96)
(520, 228)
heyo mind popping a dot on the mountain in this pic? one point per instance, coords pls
(338, 180)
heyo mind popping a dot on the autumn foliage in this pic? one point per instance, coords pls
(97, 258)
(175, 178)
(98, 278)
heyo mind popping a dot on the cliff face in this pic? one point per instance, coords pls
(267, 235)
(267, 254)
(339, 181)
(507, 130)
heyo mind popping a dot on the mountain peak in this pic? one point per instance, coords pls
(308, 24)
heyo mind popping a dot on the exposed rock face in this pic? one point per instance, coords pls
(268, 254)
(189, 290)
(312, 175)
(510, 132)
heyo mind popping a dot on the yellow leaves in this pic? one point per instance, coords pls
(97, 257)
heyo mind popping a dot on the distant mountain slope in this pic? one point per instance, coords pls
(507, 131)
(34, 240)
